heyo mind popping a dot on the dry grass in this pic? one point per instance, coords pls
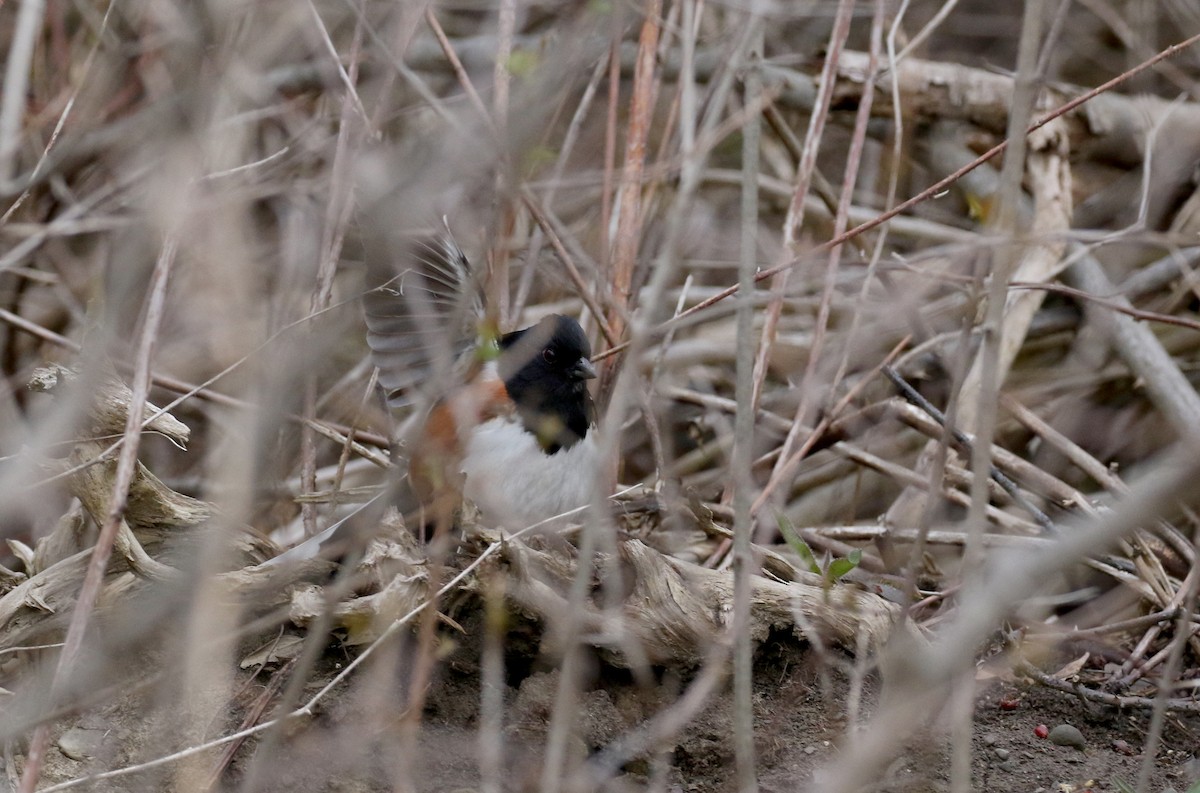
(189, 193)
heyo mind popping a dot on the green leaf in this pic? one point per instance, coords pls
(537, 157)
(838, 568)
(488, 348)
(521, 63)
(798, 545)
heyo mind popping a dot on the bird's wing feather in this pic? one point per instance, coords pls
(422, 310)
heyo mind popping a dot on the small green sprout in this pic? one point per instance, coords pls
(830, 569)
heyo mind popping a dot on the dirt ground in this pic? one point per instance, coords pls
(800, 718)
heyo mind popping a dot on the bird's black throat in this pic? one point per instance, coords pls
(540, 369)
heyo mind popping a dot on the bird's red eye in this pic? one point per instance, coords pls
(549, 356)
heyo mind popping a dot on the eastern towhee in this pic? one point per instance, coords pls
(508, 422)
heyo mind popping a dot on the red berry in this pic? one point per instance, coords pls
(1041, 731)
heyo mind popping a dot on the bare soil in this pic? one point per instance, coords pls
(356, 741)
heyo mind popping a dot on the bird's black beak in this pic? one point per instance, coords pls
(583, 369)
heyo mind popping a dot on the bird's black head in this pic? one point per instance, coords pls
(545, 369)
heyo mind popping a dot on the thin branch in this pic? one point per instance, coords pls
(126, 467)
(965, 443)
(985, 601)
(629, 191)
(1143, 353)
(935, 189)
(581, 287)
(744, 565)
(460, 72)
(16, 82)
(1118, 701)
(1120, 304)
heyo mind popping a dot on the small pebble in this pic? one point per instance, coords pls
(1008, 766)
(1122, 747)
(1067, 735)
(990, 739)
(809, 749)
(80, 744)
(1002, 754)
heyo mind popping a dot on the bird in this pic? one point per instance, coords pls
(511, 423)
(503, 422)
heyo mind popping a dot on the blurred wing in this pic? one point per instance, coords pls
(422, 313)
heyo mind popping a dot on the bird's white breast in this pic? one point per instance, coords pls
(515, 484)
